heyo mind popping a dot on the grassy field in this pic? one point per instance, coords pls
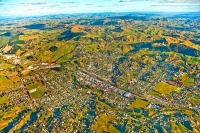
(65, 58)
(188, 81)
(28, 82)
(4, 66)
(155, 93)
(35, 85)
(92, 47)
(17, 41)
(39, 93)
(164, 88)
(197, 97)
(4, 82)
(40, 90)
(27, 37)
(132, 74)
(138, 103)
(63, 49)
(195, 102)
(103, 125)
(4, 99)
(178, 89)
(4, 41)
(193, 60)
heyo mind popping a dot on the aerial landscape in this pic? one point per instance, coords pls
(101, 70)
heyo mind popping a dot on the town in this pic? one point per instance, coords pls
(113, 73)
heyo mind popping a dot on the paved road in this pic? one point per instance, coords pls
(143, 96)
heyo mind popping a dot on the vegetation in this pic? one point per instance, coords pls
(4, 82)
(4, 66)
(138, 103)
(53, 48)
(136, 52)
(4, 100)
(34, 85)
(164, 88)
(7, 117)
(178, 89)
(104, 124)
(39, 93)
(188, 81)
(155, 93)
(91, 48)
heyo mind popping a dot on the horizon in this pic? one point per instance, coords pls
(40, 8)
(79, 13)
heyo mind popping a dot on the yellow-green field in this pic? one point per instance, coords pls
(92, 47)
(40, 90)
(39, 93)
(63, 49)
(65, 58)
(155, 93)
(188, 81)
(4, 66)
(178, 89)
(103, 125)
(138, 103)
(132, 74)
(35, 85)
(4, 99)
(164, 88)
(4, 82)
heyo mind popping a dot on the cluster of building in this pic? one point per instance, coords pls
(107, 87)
(12, 58)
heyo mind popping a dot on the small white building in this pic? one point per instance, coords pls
(33, 90)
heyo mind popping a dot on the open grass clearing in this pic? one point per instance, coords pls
(4, 66)
(138, 103)
(164, 88)
(34, 86)
(4, 82)
(103, 125)
(188, 81)
(4, 99)
(39, 93)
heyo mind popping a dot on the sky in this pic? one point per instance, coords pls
(47, 7)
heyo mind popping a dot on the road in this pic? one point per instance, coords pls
(142, 96)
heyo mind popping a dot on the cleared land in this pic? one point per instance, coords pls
(138, 103)
(4, 66)
(39, 93)
(103, 125)
(40, 90)
(155, 93)
(35, 85)
(188, 81)
(4, 82)
(164, 88)
(3, 100)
